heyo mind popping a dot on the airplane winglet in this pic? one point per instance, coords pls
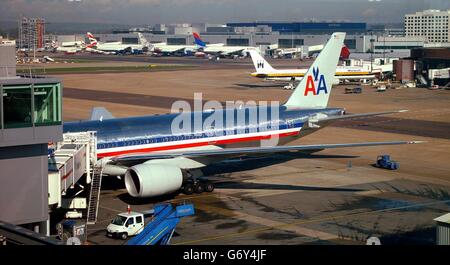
(417, 142)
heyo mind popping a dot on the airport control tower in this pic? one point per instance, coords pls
(30, 118)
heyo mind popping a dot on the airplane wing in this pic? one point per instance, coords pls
(224, 153)
(223, 50)
(229, 51)
(323, 120)
(169, 49)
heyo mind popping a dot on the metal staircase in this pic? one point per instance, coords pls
(94, 194)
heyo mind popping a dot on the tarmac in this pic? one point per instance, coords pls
(335, 196)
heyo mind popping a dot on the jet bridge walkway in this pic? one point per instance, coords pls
(160, 230)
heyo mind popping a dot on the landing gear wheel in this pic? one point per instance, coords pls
(188, 189)
(198, 188)
(209, 187)
(124, 236)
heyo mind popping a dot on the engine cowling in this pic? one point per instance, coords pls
(149, 180)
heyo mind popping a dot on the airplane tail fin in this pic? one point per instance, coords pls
(198, 40)
(345, 53)
(144, 41)
(261, 65)
(314, 89)
(92, 40)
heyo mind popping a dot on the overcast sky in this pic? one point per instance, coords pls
(214, 11)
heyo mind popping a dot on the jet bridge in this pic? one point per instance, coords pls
(69, 160)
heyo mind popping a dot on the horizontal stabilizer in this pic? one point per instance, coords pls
(359, 115)
(100, 113)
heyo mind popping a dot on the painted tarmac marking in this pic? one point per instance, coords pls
(268, 223)
(309, 222)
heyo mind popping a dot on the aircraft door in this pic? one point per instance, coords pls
(290, 123)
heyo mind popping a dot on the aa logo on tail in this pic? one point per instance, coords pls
(315, 83)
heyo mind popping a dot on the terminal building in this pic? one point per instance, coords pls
(306, 27)
(41, 168)
(284, 35)
(30, 118)
(431, 24)
(359, 39)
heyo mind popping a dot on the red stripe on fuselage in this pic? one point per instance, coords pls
(197, 144)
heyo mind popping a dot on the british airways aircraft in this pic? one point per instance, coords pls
(155, 160)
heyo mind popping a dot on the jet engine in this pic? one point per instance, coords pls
(149, 180)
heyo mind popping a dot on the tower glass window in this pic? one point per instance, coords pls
(28, 105)
(17, 106)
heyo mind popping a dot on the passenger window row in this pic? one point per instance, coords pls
(291, 124)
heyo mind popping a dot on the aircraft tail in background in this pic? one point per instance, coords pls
(143, 41)
(92, 40)
(261, 65)
(198, 40)
(315, 88)
(345, 53)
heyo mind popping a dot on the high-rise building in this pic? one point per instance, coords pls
(431, 24)
(31, 33)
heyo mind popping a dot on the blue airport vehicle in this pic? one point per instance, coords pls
(384, 161)
(160, 230)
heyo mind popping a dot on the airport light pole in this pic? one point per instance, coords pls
(384, 46)
(371, 51)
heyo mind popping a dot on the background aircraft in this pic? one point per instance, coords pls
(219, 49)
(68, 47)
(266, 71)
(114, 47)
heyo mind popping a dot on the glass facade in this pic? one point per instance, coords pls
(351, 44)
(130, 40)
(399, 47)
(307, 27)
(176, 41)
(290, 43)
(237, 42)
(31, 105)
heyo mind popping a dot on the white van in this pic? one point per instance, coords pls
(125, 225)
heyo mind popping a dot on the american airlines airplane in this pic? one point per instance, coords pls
(266, 71)
(157, 160)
